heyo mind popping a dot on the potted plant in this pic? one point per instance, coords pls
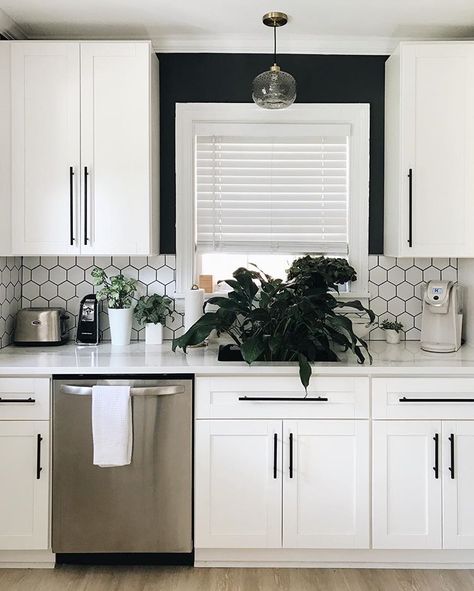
(118, 291)
(152, 312)
(392, 331)
(294, 320)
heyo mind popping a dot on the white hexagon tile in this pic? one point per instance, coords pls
(10, 296)
(395, 289)
(64, 281)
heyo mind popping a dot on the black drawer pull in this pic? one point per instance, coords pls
(39, 439)
(291, 455)
(7, 400)
(285, 399)
(436, 464)
(451, 449)
(405, 399)
(410, 207)
(275, 454)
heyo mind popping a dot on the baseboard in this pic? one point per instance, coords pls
(27, 559)
(303, 558)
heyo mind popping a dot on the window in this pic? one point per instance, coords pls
(265, 188)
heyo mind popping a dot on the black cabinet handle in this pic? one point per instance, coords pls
(451, 446)
(291, 455)
(436, 462)
(410, 207)
(275, 454)
(39, 439)
(71, 206)
(281, 399)
(86, 237)
(405, 399)
(7, 400)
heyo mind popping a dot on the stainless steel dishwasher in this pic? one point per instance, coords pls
(145, 507)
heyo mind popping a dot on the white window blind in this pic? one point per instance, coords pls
(261, 195)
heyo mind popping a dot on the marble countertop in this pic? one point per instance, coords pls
(138, 358)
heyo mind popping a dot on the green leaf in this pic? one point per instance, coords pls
(252, 348)
(305, 370)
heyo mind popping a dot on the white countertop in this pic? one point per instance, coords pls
(138, 358)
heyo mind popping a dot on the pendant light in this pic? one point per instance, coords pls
(274, 89)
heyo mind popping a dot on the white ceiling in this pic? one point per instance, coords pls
(362, 26)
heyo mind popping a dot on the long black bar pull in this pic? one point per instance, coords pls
(436, 462)
(405, 399)
(291, 455)
(16, 400)
(39, 439)
(410, 207)
(275, 454)
(86, 205)
(71, 206)
(451, 450)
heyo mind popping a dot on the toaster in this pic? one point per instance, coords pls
(41, 326)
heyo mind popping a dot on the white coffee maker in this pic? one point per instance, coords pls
(441, 321)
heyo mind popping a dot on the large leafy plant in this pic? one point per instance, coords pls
(153, 309)
(293, 320)
(117, 290)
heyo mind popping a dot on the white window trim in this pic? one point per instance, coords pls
(190, 116)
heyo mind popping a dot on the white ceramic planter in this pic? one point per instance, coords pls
(153, 334)
(392, 337)
(120, 320)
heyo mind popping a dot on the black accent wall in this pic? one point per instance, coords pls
(227, 78)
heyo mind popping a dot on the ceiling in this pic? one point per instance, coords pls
(359, 26)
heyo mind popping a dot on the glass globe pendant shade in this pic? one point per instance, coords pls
(274, 89)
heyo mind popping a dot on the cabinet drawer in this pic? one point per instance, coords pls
(423, 398)
(252, 398)
(24, 399)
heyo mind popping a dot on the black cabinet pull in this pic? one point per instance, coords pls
(7, 400)
(451, 449)
(86, 237)
(71, 206)
(405, 399)
(436, 462)
(275, 454)
(291, 455)
(39, 439)
(281, 399)
(410, 207)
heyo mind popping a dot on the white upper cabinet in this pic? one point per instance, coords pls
(429, 150)
(84, 148)
(45, 79)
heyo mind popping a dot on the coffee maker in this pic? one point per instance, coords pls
(88, 321)
(441, 321)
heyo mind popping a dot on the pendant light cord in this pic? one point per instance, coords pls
(274, 44)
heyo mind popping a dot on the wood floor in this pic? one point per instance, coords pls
(67, 578)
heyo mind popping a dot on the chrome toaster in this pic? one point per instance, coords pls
(41, 326)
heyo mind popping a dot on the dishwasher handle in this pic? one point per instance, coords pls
(145, 391)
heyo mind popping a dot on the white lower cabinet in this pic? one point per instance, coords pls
(458, 484)
(24, 488)
(251, 495)
(326, 491)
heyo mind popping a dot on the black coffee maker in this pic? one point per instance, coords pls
(88, 321)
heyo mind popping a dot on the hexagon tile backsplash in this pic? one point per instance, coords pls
(394, 286)
(64, 281)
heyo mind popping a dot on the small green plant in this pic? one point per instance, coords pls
(117, 290)
(391, 325)
(153, 309)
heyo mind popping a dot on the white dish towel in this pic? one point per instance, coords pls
(112, 429)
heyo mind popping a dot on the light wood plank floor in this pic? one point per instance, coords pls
(81, 578)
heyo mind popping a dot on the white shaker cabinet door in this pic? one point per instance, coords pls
(238, 484)
(407, 484)
(45, 80)
(458, 484)
(115, 148)
(24, 500)
(326, 484)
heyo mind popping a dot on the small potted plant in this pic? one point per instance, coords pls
(152, 312)
(392, 331)
(118, 291)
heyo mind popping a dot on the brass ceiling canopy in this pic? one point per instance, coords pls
(275, 19)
